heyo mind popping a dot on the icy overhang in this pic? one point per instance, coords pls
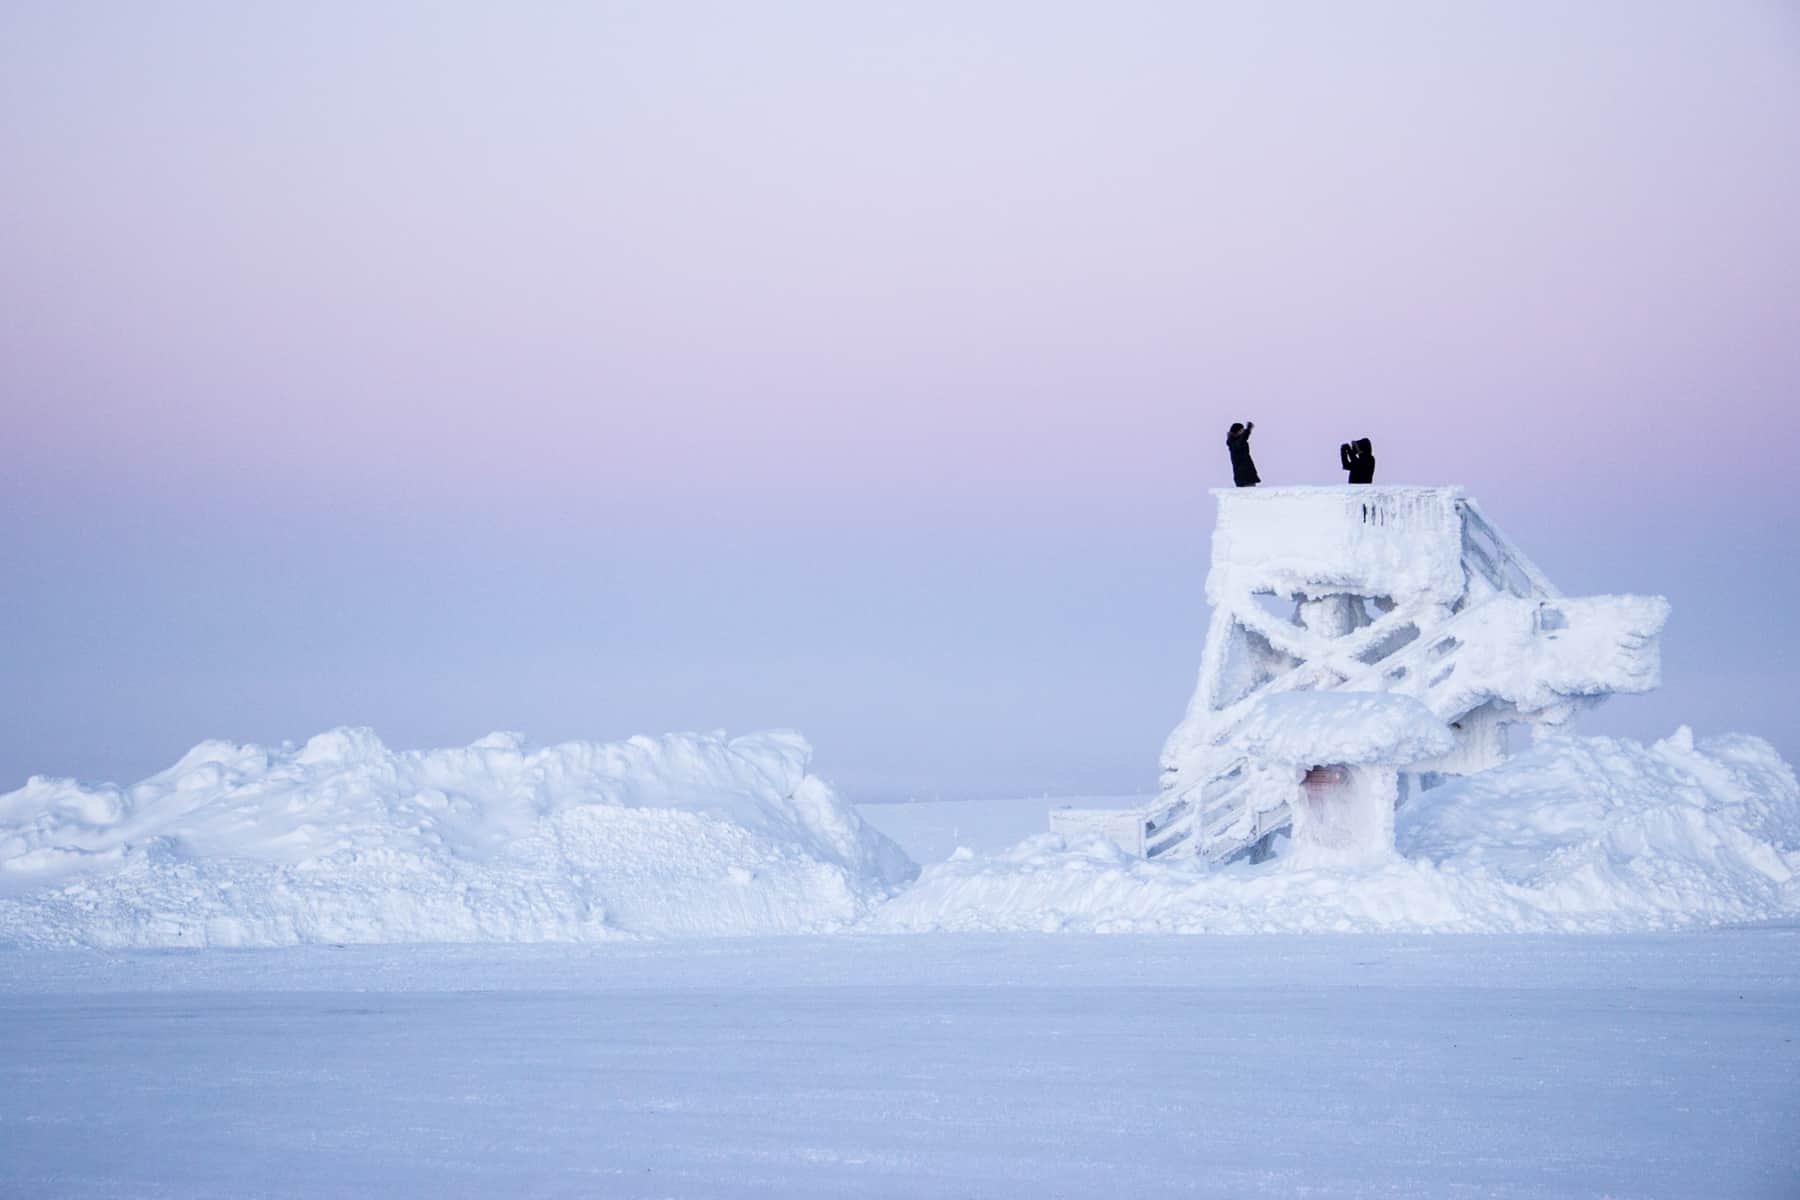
(1354, 728)
(1536, 655)
(1403, 542)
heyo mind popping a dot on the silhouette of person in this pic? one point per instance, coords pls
(1358, 458)
(1243, 468)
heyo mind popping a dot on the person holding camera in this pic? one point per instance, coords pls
(1358, 458)
(1243, 468)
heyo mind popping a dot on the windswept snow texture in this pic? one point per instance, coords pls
(1579, 834)
(1314, 728)
(344, 840)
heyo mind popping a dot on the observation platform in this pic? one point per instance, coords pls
(1361, 589)
(1406, 543)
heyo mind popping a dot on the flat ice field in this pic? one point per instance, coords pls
(927, 1065)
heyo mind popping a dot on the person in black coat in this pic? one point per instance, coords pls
(1358, 458)
(1243, 469)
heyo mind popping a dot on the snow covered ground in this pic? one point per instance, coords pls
(1577, 834)
(975, 1065)
(610, 1058)
(343, 840)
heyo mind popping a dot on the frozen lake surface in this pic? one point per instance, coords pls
(1020, 1065)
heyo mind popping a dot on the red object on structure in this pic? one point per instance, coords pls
(1321, 782)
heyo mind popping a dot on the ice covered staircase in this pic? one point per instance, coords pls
(1371, 589)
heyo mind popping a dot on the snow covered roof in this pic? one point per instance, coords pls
(1314, 728)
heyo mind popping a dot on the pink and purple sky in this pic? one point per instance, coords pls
(589, 369)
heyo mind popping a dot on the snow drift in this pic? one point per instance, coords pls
(345, 840)
(1578, 834)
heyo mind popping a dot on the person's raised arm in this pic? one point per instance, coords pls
(1344, 455)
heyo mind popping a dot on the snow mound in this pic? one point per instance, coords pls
(1578, 834)
(345, 840)
(1309, 728)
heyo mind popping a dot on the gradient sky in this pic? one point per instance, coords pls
(590, 369)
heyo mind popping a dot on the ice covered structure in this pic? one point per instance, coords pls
(1351, 590)
(1346, 750)
(345, 840)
